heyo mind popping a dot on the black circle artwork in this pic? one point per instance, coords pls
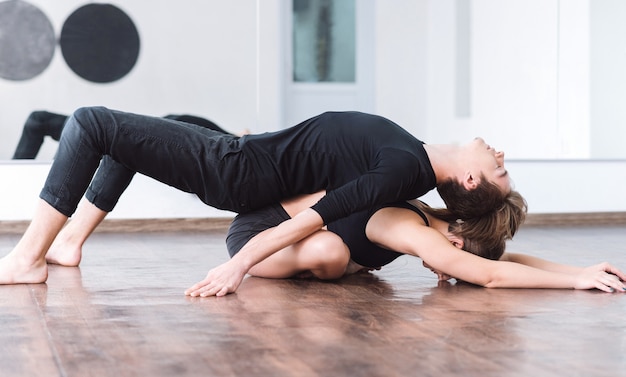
(27, 40)
(100, 43)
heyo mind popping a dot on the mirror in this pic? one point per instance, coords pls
(560, 82)
(143, 64)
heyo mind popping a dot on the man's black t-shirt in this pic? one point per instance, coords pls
(361, 160)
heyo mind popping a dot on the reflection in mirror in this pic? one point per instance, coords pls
(38, 126)
(173, 67)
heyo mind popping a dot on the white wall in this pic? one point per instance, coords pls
(145, 198)
(401, 65)
(567, 186)
(226, 61)
(608, 78)
(548, 186)
(529, 76)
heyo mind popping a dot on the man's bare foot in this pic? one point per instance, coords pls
(64, 253)
(17, 270)
(67, 247)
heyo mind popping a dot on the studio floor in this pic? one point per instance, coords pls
(123, 313)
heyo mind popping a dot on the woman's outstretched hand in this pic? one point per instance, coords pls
(220, 281)
(602, 276)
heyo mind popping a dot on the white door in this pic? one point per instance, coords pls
(330, 55)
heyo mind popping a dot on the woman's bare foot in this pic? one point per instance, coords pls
(15, 269)
(355, 268)
(304, 275)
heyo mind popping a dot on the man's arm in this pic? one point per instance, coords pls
(226, 277)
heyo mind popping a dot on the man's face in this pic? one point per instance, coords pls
(486, 160)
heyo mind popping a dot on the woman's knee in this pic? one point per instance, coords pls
(331, 255)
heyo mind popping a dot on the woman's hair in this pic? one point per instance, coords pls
(486, 235)
(486, 197)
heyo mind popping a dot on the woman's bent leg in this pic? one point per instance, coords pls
(323, 254)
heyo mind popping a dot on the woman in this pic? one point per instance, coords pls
(362, 160)
(365, 240)
(325, 254)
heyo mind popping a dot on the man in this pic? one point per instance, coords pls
(361, 160)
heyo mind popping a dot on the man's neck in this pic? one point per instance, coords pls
(443, 159)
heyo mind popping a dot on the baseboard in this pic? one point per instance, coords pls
(209, 224)
(572, 219)
(138, 225)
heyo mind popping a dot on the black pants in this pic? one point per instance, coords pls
(245, 226)
(117, 145)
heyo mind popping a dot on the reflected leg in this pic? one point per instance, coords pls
(38, 125)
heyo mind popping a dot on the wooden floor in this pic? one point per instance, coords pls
(123, 313)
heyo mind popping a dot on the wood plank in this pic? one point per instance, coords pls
(26, 346)
(122, 313)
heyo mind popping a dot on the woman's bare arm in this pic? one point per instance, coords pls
(539, 263)
(398, 229)
(226, 277)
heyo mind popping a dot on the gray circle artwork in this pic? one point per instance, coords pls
(27, 40)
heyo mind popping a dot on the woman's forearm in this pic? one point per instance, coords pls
(273, 239)
(517, 275)
(602, 276)
(541, 264)
(226, 277)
